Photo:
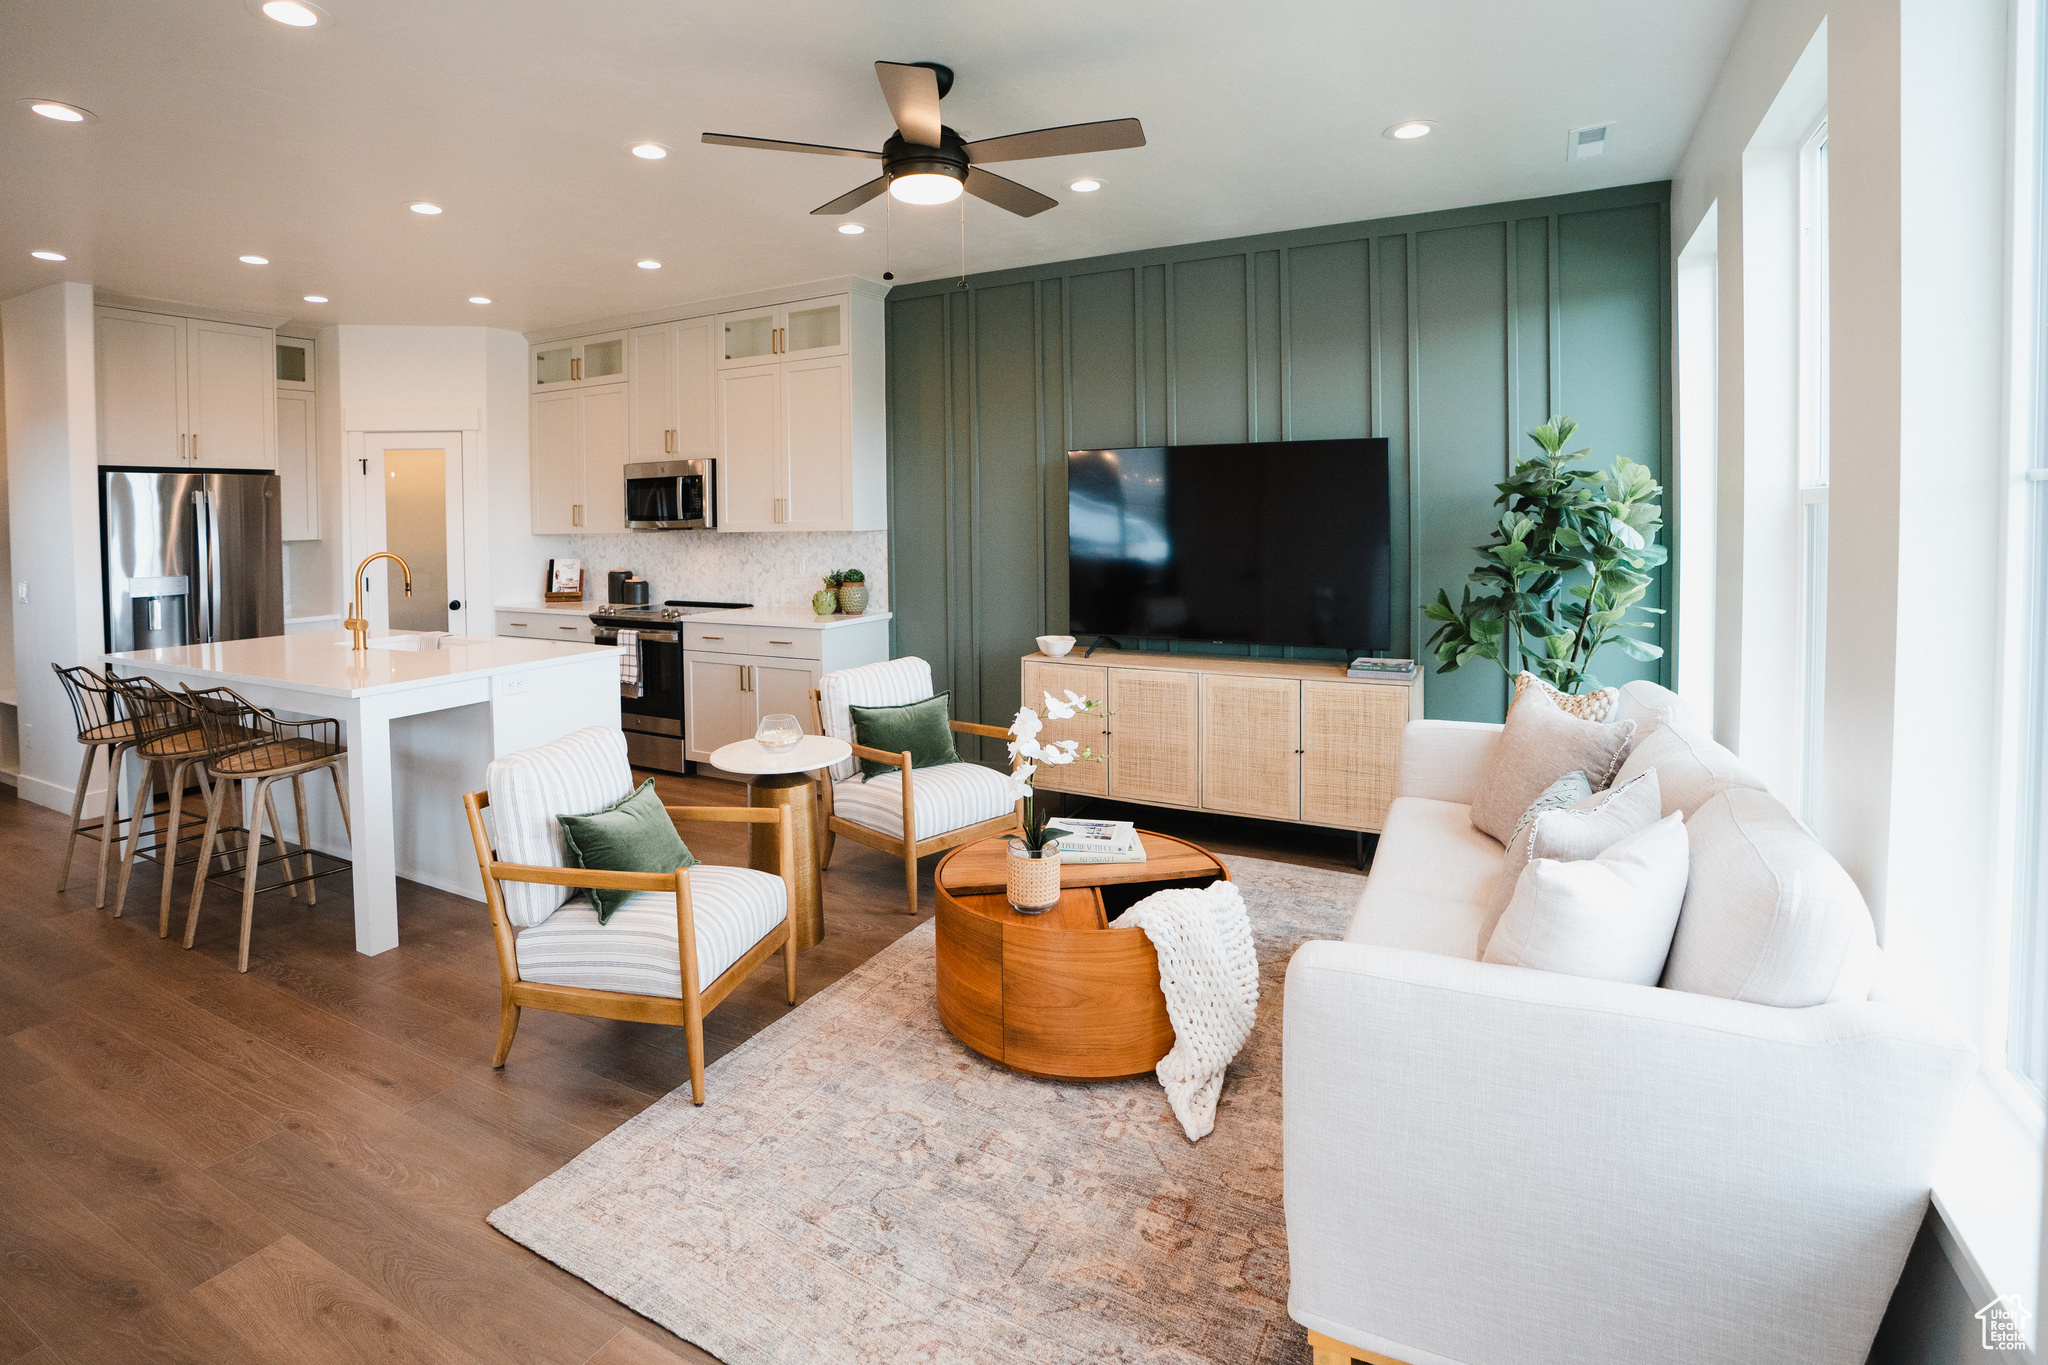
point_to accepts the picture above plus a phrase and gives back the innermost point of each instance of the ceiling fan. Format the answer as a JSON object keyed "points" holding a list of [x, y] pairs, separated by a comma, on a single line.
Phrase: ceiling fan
{"points": [[925, 162]]}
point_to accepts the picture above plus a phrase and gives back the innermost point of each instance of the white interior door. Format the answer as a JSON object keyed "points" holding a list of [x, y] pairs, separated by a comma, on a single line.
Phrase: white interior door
{"points": [[414, 501]]}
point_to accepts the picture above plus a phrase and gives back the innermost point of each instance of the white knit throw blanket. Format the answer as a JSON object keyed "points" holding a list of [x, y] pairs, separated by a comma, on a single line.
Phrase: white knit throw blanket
{"points": [[1209, 975]]}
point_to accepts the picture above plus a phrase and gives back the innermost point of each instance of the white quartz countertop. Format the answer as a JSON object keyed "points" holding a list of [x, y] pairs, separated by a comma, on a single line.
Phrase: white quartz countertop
{"points": [[322, 662], [583, 608], [785, 618]]}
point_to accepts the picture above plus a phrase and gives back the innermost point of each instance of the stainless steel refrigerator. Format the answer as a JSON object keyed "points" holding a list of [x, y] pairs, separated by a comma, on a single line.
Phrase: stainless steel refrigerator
{"points": [[190, 557]]}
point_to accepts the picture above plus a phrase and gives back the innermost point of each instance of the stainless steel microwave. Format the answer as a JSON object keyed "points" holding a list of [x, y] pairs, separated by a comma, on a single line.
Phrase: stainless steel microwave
{"points": [[672, 495]]}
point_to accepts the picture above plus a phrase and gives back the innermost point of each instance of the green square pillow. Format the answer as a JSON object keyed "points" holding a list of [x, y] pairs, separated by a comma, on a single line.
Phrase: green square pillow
{"points": [[921, 727], [633, 834]]}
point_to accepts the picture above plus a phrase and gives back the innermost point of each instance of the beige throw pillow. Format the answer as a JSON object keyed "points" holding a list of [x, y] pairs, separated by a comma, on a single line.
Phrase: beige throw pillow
{"points": [[1584, 830], [1651, 707], [1691, 768], [1598, 705], [1769, 916], [1538, 745], [1608, 917]]}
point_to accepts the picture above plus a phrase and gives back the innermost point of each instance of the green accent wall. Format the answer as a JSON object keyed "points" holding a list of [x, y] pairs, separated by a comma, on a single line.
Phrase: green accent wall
{"points": [[1451, 334]]}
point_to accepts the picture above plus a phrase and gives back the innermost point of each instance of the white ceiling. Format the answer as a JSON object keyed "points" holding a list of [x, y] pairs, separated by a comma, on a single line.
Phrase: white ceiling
{"points": [[222, 133]]}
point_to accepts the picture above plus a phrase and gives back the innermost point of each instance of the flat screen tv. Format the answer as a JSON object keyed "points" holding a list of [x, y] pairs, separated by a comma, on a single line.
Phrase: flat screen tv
{"points": [[1272, 543]]}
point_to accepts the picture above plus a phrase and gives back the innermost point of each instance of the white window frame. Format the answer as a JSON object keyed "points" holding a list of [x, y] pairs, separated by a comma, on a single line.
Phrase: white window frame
{"points": [[1813, 461]]}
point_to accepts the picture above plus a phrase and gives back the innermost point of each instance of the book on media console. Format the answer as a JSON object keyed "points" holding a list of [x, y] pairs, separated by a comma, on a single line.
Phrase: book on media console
{"points": [[1391, 670], [1094, 836]]}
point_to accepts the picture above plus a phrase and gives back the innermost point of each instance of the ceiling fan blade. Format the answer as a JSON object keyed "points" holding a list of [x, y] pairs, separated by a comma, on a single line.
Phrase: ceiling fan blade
{"points": [[1021, 200], [770, 145], [853, 199], [1108, 136], [913, 95]]}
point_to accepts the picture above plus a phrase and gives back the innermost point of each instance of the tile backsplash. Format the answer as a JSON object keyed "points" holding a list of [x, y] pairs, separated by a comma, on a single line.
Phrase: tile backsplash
{"points": [[766, 568]]}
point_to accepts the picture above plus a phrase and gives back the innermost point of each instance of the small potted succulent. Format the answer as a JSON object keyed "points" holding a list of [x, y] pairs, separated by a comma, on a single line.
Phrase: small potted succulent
{"points": [[825, 601], [853, 591]]}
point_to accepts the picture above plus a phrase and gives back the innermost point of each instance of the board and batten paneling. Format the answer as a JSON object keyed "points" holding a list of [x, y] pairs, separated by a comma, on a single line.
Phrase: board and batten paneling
{"points": [[1451, 334]]}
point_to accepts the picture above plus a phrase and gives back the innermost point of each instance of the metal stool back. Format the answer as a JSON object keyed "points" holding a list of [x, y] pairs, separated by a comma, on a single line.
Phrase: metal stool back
{"points": [[250, 743], [101, 729]]}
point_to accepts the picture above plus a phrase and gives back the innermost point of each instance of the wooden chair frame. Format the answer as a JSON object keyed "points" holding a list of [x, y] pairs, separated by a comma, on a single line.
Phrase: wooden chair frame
{"points": [[909, 848], [697, 999], [1330, 1351]]}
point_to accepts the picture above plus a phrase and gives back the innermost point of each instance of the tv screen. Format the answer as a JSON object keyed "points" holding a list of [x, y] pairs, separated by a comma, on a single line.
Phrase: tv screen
{"points": [[1272, 543]]}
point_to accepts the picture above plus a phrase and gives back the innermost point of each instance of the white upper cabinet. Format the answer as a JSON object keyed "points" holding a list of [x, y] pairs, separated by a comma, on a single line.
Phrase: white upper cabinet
{"points": [[671, 376], [787, 331], [185, 392], [789, 398], [294, 363], [297, 470], [140, 364], [579, 457], [233, 395], [599, 359]]}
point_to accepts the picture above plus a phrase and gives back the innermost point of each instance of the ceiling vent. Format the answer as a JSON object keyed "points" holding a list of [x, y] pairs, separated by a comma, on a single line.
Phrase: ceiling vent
{"points": [[1583, 144]]}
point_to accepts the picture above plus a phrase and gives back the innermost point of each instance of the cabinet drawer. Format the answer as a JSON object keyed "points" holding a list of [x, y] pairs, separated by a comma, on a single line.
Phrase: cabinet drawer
{"points": [[711, 638], [545, 625], [776, 642], [519, 622]]}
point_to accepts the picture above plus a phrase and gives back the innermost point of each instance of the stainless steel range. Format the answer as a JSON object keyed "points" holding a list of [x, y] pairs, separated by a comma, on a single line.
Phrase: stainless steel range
{"points": [[653, 720]]}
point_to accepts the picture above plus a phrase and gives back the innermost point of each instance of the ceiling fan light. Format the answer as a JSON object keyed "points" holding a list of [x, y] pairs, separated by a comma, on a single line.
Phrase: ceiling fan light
{"points": [[925, 187]]}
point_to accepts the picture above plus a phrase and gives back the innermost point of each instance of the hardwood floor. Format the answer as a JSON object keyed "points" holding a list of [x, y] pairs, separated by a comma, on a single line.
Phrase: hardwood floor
{"points": [[295, 1165]]}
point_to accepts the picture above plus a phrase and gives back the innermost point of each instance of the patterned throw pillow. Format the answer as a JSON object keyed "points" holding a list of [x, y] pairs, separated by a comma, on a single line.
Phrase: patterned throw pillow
{"points": [[1598, 705]]}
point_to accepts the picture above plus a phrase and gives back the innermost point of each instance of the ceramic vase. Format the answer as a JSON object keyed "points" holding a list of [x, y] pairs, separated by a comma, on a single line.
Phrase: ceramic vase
{"points": [[1034, 878], [825, 602], [853, 598]]}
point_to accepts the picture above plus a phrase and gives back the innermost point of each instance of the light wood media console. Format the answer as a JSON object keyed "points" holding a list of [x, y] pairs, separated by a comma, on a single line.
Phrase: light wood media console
{"points": [[1266, 738]]}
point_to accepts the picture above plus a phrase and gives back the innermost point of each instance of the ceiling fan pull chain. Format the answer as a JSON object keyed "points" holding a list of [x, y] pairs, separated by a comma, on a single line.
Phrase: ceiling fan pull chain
{"points": [[963, 241], [888, 241]]}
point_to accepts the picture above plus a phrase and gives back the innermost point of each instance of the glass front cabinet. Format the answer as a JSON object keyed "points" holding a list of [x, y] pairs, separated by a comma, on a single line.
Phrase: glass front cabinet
{"points": [[789, 331], [588, 360]]}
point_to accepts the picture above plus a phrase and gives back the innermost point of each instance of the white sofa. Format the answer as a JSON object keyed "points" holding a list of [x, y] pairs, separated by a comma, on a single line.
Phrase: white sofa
{"points": [[1490, 1165]]}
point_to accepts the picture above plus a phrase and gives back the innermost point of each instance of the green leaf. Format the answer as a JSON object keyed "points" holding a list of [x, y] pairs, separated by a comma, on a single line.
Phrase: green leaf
{"points": [[1638, 649]]}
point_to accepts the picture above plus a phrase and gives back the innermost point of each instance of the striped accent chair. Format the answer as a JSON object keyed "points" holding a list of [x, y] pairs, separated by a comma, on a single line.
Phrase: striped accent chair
{"points": [[552, 952], [904, 813]]}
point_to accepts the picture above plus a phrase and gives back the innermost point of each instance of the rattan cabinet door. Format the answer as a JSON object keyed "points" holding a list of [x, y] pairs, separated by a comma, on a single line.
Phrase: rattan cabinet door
{"points": [[1351, 742], [1251, 746], [1084, 778], [1152, 731]]}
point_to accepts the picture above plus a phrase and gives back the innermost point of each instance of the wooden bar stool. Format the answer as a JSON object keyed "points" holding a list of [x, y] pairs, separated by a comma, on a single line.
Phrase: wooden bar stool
{"points": [[173, 747], [101, 728], [249, 743]]}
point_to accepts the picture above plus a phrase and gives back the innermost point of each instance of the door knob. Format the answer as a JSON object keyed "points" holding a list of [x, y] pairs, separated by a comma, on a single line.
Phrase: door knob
{"points": [[455, 606]]}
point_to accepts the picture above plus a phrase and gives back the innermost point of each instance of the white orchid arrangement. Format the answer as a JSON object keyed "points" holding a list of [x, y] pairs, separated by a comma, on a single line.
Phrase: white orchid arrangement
{"points": [[1027, 753]]}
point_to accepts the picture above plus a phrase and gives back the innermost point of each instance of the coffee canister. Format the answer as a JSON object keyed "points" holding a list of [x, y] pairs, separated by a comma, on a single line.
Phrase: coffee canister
{"points": [[635, 590], [615, 585]]}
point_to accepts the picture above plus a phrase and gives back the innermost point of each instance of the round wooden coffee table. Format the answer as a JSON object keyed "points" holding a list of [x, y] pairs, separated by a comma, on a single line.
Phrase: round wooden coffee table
{"points": [[1067, 994]]}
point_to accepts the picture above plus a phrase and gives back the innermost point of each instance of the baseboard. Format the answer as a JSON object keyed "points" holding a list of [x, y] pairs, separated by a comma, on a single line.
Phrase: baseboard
{"points": [[471, 893], [31, 788]]}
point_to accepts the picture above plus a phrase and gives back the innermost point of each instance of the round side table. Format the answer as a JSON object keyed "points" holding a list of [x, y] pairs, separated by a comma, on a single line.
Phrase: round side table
{"points": [[782, 777]]}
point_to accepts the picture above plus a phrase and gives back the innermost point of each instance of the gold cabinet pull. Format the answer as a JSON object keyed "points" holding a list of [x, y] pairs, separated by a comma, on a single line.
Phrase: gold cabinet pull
{"points": [[668, 442], [195, 447], [576, 514], [576, 367]]}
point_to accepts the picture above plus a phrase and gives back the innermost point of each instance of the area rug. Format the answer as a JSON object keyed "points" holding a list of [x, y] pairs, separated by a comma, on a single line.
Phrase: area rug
{"points": [[859, 1187]]}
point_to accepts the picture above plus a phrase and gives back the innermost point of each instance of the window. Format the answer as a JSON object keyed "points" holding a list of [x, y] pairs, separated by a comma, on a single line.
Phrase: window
{"points": [[1813, 461]]}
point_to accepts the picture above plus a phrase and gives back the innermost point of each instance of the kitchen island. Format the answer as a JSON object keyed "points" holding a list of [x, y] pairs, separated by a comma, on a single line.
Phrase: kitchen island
{"points": [[422, 715]]}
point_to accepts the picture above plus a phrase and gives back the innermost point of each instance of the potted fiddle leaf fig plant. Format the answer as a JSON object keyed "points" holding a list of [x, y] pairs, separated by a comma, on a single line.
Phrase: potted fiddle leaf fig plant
{"points": [[1034, 863], [825, 601], [853, 591], [1570, 560]]}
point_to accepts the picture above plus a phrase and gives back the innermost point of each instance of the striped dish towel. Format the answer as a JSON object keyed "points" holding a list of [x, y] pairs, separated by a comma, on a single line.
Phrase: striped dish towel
{"points": [[629, 664]]}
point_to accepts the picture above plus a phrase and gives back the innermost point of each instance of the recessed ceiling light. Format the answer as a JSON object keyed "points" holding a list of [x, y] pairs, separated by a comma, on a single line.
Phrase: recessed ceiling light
{"points": [[649, 151], [478, 298], [58, 110], [852, 229], [48, 256], [316, 298], [1087, 185], [253, 260], [925, 187], [293, 13], [648, 265], [1409, 131], [422, 206]]}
